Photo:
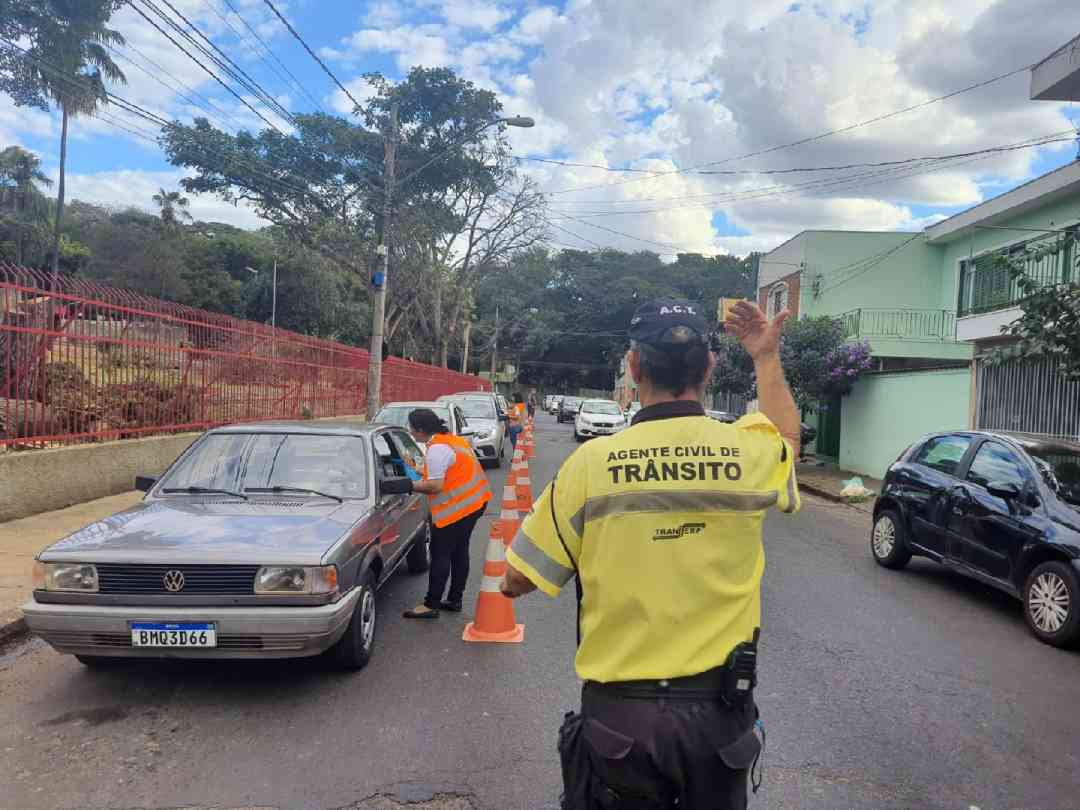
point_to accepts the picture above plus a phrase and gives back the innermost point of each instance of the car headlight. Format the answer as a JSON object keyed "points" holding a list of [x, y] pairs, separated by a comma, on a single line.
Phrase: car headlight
{"points": [[296, 579], [65, 577], [483, 434]]}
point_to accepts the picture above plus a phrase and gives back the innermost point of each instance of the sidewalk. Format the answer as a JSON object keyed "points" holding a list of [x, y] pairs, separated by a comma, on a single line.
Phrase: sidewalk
{"points": [[827, 481], [21, 539]]}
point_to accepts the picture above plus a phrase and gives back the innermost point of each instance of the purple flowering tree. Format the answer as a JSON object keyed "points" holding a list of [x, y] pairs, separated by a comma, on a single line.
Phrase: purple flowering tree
{"points": [[817, 360]]}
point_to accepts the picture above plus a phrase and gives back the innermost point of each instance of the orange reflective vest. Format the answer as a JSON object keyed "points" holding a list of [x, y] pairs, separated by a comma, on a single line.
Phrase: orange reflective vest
{"points": [[517, 413], [465, 487]]}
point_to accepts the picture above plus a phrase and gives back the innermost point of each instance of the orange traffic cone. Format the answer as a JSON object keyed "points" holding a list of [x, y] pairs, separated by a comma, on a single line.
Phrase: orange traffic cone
{"points": [[494, 612], [509, 520], [523, 488]]}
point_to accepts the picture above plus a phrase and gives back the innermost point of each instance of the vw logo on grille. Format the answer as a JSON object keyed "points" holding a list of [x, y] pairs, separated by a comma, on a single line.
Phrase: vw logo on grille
{"points": [[173, 580]]}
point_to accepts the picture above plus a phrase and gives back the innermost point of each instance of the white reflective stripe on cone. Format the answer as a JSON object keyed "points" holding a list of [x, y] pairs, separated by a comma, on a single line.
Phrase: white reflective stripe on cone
{"points": [[491, 584], [496, 550], [509, 492]]}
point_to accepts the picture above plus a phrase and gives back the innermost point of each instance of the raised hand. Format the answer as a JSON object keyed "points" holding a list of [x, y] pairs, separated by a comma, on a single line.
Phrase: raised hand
{"points": [[758, 335]]}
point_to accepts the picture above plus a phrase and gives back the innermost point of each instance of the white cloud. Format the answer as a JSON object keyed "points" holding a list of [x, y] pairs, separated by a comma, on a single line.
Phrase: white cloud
{"points": [[474, 14], [125, 188]]}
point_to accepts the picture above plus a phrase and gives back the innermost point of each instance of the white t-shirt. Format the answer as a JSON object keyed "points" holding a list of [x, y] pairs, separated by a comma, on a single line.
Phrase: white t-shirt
{"points": [[440, 458]]}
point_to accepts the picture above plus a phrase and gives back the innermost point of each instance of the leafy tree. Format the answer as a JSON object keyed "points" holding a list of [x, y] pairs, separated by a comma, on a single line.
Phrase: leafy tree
{"points": [[24, 209], [1049, 323], [66, 63], [174, 209]]}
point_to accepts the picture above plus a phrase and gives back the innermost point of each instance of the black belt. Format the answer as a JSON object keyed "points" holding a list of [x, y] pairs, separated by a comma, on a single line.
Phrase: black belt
{"points": [[705, 685]]}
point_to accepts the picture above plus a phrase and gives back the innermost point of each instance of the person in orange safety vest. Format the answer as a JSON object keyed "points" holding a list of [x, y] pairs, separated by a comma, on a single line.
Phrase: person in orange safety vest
{"points": [[458, 492]]}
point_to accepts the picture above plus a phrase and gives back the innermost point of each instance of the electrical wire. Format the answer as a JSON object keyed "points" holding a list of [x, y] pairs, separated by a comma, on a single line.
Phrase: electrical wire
{"points": [[209, 72], [356, 104], [221, 59], [172, 88], [813, 138], [272, 54], [888, 168]]}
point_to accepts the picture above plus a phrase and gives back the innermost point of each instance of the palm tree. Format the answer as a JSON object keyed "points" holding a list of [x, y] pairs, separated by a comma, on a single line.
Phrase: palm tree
{"points": [[174, 209], [69, 62], [20, 172]]}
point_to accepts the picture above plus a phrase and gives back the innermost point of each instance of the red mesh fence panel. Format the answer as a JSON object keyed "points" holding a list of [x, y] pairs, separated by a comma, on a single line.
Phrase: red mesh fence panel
{"points": [[81, 361]]}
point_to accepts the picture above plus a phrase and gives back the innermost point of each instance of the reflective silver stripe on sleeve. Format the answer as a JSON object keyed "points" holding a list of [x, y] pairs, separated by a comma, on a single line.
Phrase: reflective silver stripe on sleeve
{"points": [[677, 501], [792, 491], [554, 572], [577, 521]]}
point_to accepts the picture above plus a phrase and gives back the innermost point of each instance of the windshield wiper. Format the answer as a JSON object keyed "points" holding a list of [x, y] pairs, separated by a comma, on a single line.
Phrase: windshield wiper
{"points": [[337, 498], [204, 491]]}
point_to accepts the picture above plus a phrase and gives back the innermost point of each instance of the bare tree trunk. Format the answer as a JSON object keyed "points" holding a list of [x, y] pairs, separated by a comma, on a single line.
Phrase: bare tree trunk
{"points": [[60, 193], [465, 353], [438, 349]]}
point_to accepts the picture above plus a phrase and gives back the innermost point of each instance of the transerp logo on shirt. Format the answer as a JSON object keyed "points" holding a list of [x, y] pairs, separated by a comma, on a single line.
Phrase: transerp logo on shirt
{"points": [[678, 532]]}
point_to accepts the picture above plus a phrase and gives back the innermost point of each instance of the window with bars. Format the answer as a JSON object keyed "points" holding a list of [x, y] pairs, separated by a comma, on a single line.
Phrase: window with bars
{"points": [[987, 282]]}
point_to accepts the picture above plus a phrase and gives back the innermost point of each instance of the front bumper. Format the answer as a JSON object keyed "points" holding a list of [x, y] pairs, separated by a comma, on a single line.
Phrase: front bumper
{"points": [[242, 632], [486, 448], [590, 430]]}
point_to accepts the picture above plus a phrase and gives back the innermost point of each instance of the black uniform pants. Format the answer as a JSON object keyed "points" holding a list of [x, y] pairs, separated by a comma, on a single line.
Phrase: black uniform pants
{"points": [[633, 753], [450, 560]]}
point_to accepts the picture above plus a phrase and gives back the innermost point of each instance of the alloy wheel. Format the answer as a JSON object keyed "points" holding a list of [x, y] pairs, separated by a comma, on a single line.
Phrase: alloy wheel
{"points": [[1049, 602], [367, 618], [884, 539]]}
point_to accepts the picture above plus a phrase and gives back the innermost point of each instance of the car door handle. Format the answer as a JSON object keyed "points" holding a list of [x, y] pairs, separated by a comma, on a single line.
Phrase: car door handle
{"points": [[956, 510]]}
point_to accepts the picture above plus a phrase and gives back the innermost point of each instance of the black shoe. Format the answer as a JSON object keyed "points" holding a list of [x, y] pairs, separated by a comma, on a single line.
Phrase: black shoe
{"points": [[421, 612], [453, 607]]}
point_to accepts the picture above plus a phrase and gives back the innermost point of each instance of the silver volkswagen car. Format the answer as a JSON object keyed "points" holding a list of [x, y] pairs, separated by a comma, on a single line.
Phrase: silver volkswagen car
{"points": [[260, 541]]}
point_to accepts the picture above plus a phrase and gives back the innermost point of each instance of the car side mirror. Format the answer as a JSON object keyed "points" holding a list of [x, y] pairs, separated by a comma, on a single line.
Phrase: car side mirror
{"points": [[1006, 490], [504, 417], [145, 483], [467, 431], [396, 486]]}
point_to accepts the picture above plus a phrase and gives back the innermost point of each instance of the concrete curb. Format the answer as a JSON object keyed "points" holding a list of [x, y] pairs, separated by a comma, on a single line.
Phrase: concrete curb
{"points": [[821, 492], [13, 630]]}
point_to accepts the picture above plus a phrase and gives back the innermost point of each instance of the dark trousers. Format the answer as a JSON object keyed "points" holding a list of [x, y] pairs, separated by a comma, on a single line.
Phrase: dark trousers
{"points": [[514, 432], [657, 753], [450, 560]]}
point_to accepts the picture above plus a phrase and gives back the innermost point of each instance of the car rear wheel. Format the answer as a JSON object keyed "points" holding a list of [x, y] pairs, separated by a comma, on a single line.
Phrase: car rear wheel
{"points": [[419, 558], [887, 541], [1052, 603], [354, 649]]}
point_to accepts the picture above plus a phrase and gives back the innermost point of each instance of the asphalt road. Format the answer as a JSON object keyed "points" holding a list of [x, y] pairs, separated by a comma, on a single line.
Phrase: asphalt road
{"points": [[879, 689]]}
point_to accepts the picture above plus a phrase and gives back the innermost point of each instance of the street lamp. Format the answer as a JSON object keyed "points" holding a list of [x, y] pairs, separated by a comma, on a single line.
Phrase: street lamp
{"points": [[273, 308], [380, 279]]}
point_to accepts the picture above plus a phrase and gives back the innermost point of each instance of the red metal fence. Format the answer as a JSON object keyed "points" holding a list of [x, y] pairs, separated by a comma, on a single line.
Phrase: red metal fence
{"points": [[81, 361]]}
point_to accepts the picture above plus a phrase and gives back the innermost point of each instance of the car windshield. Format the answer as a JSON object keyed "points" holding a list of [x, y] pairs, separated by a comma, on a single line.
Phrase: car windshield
{"points": [[336, 465], [571, 403], [399, 414], [477, 408], [1060, 469], [609, 408]]}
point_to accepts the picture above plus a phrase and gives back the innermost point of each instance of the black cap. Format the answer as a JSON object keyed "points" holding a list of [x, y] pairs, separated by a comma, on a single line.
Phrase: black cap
{"points": [[653, 319]]}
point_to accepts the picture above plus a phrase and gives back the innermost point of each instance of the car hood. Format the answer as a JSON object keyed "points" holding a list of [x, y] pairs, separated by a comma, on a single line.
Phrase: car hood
{"points": [[484, 424], [194, 531]]}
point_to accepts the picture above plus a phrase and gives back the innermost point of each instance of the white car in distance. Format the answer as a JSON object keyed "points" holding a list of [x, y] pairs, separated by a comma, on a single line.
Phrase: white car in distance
{"points": [[598, 417]]}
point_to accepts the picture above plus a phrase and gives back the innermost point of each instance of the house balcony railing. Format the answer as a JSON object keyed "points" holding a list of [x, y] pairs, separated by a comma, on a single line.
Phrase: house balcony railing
{"points": [[987, 282], [935, 325]]}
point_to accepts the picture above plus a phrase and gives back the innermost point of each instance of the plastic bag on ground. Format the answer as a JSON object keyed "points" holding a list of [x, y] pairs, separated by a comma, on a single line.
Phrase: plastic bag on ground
{"points": [[854, 488]]}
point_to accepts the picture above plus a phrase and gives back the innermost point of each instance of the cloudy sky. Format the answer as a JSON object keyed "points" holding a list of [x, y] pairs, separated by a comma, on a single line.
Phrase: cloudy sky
{"points": [[694, 96]]}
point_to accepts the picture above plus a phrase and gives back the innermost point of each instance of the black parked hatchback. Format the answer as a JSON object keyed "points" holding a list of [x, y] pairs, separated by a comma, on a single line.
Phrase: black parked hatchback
{"points": [[1002, 508]]}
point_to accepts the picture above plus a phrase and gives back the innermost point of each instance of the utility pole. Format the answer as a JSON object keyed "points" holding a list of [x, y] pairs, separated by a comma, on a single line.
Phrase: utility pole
{"points": [[380, 279]]}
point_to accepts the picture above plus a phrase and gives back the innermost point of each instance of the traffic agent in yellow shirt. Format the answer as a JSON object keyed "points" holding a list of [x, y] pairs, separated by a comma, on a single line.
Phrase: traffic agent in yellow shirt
{"points": [[662, 525]]}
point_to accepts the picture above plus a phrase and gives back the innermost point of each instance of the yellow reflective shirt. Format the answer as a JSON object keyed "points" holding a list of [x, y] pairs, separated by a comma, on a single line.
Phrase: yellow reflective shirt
{"points": [[664, 522]]}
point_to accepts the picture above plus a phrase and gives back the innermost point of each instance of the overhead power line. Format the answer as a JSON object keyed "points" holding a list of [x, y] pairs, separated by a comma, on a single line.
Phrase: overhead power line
{"points": [[813, 138], [313, 55], [270, 51], [209, 72], [218, 57]]}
